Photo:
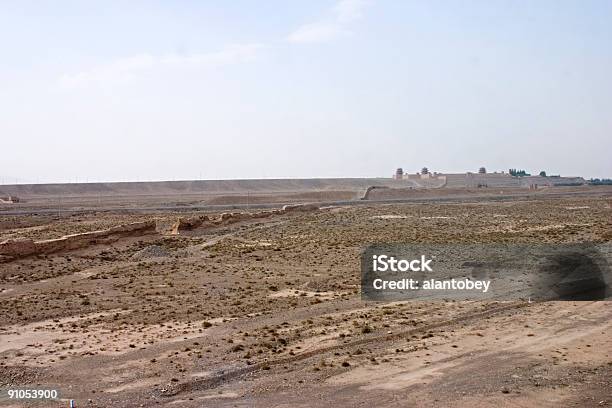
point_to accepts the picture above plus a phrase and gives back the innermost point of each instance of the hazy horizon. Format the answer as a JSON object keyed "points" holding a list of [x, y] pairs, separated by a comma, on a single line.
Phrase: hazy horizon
{"points": [[143, 91], [8, 182]]}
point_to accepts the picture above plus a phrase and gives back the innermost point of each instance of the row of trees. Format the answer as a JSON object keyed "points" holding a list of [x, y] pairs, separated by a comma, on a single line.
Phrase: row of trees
{"points": [[523, 173], [600, 182], [518, 173], [513, 172]]}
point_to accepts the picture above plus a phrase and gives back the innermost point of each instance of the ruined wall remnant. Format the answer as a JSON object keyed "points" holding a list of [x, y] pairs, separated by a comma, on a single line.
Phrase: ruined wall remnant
{"points": [[300, 207], [22, 247], [366, 193], [17, 246], [187, 224], [230, 218]]}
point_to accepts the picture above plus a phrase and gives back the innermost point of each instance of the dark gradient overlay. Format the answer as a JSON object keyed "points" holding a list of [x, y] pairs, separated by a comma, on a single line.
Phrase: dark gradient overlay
{"points": [[515, 271]]}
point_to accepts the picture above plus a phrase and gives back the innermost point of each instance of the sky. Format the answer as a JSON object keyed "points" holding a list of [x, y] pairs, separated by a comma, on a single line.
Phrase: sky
{"points": [[174, 90]]}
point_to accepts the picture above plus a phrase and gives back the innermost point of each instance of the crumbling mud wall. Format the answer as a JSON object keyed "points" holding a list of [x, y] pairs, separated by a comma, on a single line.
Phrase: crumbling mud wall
{"points": [[299, 208], [384, 193], [22, 247], [367, 193], [188, 224]]}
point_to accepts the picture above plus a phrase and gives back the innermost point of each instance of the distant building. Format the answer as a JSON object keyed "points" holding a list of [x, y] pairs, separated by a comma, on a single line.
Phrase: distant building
{"points": [[482, 178]]}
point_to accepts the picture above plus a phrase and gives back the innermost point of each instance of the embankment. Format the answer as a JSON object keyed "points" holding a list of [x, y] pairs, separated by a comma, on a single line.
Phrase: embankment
{"points": [[22, 247]]}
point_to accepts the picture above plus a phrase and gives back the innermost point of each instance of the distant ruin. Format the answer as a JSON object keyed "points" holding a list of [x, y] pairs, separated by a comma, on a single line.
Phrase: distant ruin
{"points": [[427, 179]]}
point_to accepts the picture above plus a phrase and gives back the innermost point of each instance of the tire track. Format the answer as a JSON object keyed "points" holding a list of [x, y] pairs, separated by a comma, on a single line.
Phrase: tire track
{"points": [[213, 382]]}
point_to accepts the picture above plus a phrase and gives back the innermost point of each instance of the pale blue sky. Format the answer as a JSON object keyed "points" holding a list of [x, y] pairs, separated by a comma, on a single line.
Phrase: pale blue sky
{"points": [[116, 90]]}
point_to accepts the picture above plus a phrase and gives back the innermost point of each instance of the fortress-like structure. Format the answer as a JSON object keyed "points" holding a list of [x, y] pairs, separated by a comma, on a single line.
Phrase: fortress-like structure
{"points": [[483, 179]]}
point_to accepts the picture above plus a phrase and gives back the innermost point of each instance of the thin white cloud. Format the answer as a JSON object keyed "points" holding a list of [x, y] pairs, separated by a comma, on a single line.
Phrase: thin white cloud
{"points": [[126, 69], [123, 70], [316, 32], [349, 10], [335, 25]]}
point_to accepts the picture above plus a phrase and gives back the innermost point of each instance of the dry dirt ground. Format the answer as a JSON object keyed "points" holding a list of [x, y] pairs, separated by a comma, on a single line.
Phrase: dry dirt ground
{"points": [[267, 313]]}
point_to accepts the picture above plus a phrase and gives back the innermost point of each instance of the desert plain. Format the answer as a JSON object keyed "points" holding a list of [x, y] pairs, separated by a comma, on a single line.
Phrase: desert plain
{"points": [[264, 309]]}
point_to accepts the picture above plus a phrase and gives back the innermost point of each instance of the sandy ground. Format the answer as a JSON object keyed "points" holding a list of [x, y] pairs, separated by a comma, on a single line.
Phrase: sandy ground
{"points": [[268, 313]]}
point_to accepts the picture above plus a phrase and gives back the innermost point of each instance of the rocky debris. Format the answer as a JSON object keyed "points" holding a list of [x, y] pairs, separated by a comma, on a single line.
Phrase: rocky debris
{"points": [[153, 251], [9, 376], [18, 248], [323, 285]]}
